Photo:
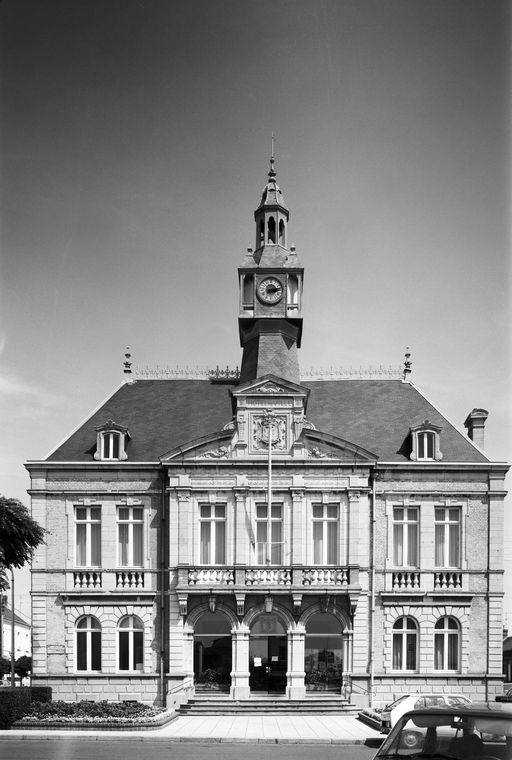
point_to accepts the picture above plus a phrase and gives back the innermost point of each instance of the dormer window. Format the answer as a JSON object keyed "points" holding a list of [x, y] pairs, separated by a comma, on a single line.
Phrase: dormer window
{"points": [[425, 443], [111, 440], [110, 445]]}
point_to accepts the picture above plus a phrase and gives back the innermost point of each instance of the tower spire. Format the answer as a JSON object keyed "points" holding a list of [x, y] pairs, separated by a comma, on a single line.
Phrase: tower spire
{"points": [[270, 317], [272, 171]]}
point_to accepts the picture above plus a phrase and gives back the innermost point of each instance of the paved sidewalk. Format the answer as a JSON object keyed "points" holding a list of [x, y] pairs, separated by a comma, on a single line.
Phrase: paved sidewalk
{"points": [[286, 729]]}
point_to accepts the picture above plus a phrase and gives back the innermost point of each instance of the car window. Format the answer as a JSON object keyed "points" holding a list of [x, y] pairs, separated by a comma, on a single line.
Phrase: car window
{"points": [[419, 703], [434, 701], [454, 700]]}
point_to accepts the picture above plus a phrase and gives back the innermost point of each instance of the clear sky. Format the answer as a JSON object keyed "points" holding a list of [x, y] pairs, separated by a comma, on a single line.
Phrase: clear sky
{"points": [[135, 137]]}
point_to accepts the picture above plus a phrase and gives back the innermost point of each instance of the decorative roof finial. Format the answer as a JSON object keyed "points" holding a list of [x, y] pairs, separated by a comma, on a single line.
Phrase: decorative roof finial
{"points": [[407, 363], [272, 172], [127, 362]]}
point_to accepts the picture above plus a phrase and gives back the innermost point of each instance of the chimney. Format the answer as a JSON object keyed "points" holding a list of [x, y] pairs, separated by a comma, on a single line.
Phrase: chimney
{"points": [[475, 423]]}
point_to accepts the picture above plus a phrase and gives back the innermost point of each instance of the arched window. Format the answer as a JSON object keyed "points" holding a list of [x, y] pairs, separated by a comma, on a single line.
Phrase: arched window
{"points": [[110, 445], [323, 654], [271, 228], [212, 651], [405, 644], [426, 445], [446, 644], [293, 291], [261, 234], [282, 236], [248, 292], [88, 643], [131, 643]]}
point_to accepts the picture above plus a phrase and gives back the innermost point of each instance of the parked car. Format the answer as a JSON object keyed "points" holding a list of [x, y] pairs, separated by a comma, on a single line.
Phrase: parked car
{"points": [[406, 702], [467, 731], [507, 697]]}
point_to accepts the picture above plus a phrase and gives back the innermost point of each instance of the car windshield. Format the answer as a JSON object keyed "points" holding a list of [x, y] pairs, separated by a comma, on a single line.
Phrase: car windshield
{"points": [[392, 705], [450, 735]]}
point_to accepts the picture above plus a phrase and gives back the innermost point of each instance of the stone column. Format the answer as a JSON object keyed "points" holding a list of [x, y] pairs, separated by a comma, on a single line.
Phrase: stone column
{"points": [[298, 532], [188, 658], [185, 531], [348, 647], [240, 531], [240, 663], [295, 687]]}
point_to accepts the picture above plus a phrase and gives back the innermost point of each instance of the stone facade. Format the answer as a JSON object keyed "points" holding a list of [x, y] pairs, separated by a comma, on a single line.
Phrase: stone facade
{"points": [[243, 535]]}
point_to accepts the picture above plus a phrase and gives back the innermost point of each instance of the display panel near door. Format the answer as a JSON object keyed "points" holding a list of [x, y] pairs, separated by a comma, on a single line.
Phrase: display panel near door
{"points": [[268, 650]]}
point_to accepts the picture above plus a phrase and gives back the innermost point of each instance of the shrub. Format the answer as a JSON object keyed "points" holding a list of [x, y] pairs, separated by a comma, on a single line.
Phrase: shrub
{"points": [[91, 712], [16, 701]]}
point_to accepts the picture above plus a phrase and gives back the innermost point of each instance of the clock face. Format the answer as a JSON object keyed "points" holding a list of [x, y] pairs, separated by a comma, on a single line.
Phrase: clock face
{"points": [[270, 290]]}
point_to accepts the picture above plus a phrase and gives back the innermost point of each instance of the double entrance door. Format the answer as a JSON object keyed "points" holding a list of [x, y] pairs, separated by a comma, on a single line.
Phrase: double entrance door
{"points": [[267, 663]]}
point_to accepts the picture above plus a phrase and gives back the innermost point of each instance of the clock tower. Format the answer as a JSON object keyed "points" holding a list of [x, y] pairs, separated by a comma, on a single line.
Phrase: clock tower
{"points": [[270, 312]]}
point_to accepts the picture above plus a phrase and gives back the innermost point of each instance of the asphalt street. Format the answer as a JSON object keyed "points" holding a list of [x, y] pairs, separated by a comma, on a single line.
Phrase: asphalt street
{"points": [[80, 749]]}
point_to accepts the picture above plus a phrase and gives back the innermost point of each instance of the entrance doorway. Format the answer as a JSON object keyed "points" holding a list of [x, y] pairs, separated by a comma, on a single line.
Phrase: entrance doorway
{"points": [[268, 650]]}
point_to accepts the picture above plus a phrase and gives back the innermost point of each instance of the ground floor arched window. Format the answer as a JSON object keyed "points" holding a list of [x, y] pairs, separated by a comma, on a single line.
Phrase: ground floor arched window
{"points": [[212, 652], [88, 644], [131, 643], [405, 644], [323, 661], [446, 644]]}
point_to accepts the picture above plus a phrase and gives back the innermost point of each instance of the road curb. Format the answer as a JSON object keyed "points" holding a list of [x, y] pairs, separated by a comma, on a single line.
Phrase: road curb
{"points": [[82, 736]]}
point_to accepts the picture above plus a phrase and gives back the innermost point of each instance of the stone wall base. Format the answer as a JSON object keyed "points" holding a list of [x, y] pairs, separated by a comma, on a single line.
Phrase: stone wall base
{"points": [[96, 689]]}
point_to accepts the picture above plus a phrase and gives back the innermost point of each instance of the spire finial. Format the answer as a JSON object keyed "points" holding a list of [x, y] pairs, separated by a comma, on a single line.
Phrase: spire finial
{"points": [[407, 363], [127, 362], [272, 172]]}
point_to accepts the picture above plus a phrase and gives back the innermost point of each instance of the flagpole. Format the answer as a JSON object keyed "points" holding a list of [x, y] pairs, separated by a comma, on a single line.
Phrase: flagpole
{"points": [[269, 494]]}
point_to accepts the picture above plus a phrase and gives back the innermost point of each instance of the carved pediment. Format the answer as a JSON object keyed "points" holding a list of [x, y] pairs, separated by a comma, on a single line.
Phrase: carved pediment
{"points": [[318, 445], [217, 446], [270, 385]]}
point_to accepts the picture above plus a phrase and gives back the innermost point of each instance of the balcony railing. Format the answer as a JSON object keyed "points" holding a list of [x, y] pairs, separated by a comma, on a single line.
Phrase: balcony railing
{"points": [[426, 581], [87, 579], [205, 576], [130, 579], [275, 576], [252, 577], [448, 579], [109, 580], [406, 580], [321, 576]]}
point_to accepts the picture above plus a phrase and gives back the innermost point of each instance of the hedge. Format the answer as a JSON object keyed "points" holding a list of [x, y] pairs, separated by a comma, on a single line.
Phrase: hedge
{"points": [[15, 701]]}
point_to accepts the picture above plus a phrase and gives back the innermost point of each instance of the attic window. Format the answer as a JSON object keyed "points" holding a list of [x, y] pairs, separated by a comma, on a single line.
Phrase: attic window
{"points": [[425, 443], [111, 440], [110, 445]]}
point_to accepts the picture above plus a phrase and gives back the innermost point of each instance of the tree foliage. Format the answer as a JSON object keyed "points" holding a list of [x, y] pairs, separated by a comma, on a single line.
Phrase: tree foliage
{"points": [[19, 536], [5, 666], [23, 666]]}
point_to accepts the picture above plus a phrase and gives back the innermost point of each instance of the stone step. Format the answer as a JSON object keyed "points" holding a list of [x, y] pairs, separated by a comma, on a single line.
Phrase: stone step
{"points": [[266, 706]]}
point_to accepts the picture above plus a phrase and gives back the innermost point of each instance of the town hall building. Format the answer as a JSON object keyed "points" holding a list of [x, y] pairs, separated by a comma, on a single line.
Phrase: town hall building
{"points": [[263, 532]]}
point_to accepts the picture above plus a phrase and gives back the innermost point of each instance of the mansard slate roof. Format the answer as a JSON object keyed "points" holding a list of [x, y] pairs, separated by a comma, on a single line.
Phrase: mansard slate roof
{"points": [[163, 414]]}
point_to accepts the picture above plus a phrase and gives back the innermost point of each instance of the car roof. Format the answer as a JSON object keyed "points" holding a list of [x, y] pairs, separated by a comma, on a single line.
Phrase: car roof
{"points": [[472, 708]]}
